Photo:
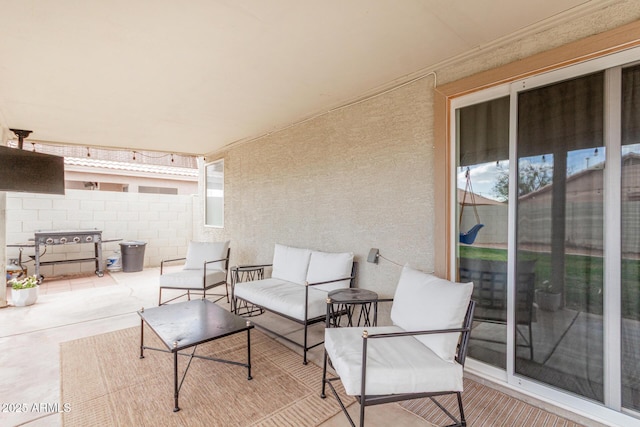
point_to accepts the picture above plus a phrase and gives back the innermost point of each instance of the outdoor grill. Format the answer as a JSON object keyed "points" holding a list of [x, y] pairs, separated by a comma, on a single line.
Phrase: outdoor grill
{"points": [[68, 237], [63, 237]]}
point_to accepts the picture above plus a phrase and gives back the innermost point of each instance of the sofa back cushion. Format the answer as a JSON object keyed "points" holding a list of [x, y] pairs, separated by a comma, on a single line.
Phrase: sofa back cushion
{"points": [[290, 264], [199, 252], [425, 302], [325, 266]]}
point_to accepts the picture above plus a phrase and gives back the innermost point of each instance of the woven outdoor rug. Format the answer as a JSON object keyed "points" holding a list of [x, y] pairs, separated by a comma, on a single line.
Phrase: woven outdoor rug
{"points": [[486, 407], [105, 383]]}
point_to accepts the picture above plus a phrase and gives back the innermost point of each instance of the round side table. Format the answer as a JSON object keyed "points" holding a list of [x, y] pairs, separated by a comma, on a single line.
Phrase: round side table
{"points": [[344, 301]]}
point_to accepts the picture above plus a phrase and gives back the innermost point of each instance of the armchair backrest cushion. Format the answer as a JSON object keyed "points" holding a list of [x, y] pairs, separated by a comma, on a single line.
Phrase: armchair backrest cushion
{"points": [[199, 252], [325, 266], [290, 264], [425, 302]]}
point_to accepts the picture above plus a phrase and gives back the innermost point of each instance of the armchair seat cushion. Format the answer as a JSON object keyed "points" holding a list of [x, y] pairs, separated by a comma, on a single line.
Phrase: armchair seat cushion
{"points": [[192, 279], [283, 297], [394, 365]]}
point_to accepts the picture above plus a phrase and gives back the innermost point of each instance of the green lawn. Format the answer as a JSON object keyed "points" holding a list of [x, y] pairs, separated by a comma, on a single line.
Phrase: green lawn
{"points": [[584, 278]]}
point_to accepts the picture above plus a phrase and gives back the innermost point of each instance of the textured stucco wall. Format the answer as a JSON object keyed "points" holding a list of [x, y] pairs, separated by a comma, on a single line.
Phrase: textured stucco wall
{"points": [[347, 181], [360, 177]]}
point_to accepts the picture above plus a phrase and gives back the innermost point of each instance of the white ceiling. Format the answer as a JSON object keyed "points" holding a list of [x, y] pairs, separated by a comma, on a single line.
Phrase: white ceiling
{"points": [[194, 76]]}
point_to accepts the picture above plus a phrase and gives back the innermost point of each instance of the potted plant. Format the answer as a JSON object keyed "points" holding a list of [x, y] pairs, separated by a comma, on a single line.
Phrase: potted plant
{"points": [[548, 299], [24, 291]]}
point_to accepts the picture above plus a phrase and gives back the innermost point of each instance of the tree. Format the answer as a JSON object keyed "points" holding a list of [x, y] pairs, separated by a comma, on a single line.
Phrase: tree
{"points": [[532, 177]]}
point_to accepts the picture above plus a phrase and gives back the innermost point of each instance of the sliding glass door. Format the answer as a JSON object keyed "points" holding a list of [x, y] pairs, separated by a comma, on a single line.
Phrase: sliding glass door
{"points": [[560, 229], [630, 247], [547, 228], [482, 193]]}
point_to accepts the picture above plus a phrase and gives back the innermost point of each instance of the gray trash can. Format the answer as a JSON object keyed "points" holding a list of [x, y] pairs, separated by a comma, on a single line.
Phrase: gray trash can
{"points": [[132, 256]]}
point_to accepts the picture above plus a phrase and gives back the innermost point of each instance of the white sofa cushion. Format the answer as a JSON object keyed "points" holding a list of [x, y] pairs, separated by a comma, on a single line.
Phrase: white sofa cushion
{"points": [[282, 297], [199, 252], [394, 365], [325, 266], [425, 302], [191, 279], [290, 264]]}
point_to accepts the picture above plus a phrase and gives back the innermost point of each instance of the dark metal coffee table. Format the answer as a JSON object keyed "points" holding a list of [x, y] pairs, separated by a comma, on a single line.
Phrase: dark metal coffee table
{"points": [[188, 324]]}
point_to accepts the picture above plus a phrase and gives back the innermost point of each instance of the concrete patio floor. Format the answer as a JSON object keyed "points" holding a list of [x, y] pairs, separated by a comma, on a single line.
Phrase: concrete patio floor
{"points": [[69, 309]]}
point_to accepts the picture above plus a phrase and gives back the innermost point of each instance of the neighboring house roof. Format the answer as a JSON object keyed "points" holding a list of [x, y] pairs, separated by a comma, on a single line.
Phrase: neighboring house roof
{"points": [[597, 168], [480, 200], [130, 167], [631, 158]]}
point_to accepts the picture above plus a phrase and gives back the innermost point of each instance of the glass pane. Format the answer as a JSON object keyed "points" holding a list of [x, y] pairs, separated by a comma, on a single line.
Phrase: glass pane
{"points": [[214, 198], [560, 235], [630, 273], [483, 187]]}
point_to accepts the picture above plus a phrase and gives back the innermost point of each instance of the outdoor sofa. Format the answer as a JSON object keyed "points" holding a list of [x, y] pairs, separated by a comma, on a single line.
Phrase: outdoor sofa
{"points": [[297, 289]]}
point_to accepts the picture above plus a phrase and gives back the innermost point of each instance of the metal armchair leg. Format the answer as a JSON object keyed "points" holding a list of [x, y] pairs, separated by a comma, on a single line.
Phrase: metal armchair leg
{"points": [[463, 422], [324, 376]]}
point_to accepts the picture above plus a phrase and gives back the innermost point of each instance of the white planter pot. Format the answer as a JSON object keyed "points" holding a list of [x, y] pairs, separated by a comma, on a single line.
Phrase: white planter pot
{"points": [[24, 297], [548, 301]]}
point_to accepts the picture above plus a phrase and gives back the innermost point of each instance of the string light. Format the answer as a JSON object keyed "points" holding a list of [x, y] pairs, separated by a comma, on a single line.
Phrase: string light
{"points": [[176, 159]]}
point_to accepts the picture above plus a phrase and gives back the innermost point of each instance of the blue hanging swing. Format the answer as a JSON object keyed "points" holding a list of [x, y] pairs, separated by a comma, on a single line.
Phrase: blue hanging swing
{"points": [[470, 236]]}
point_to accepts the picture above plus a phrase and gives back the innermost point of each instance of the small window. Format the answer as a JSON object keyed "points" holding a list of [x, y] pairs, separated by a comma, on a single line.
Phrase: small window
{"points": [[214, 194], [157, 190]]}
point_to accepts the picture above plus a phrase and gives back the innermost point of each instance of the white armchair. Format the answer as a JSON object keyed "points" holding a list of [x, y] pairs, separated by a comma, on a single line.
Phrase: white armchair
{"points": [[421, 355], [205, 267]]}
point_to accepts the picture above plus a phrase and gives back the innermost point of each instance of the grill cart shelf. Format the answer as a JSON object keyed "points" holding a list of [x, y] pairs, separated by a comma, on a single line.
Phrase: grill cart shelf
{"points": [[65, 237]]}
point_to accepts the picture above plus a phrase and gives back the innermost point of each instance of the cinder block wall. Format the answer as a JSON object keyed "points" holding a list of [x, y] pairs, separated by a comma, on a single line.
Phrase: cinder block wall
{"points": [[163, 222]]}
